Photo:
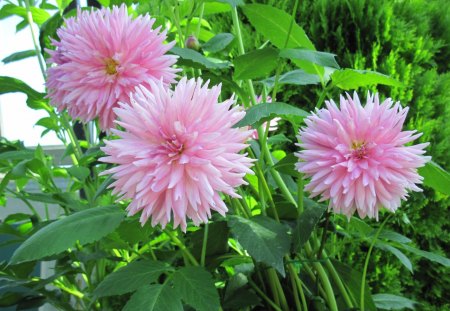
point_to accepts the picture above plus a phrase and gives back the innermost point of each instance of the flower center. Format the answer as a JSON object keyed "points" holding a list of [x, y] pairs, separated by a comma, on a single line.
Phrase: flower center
{"points": [[111, 65], [173, 147], [359, 150]]}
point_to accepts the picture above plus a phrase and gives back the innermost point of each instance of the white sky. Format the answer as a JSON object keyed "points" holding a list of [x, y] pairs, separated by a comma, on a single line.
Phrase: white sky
{"points": [[16, 119]]}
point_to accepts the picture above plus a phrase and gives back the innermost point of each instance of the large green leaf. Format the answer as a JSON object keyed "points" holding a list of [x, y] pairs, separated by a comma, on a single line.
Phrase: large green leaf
{"points": [[319, 58], [262, 112], [39, 15], [274, 24], [306, 222], [198, 58], [218, 42], [265, 239], [196, 287], [397, 253], [347, 79], [428, 255], [18, 56], [295, 77], [86, 226], [436, 177], [256, 64], [392, 302], [13, 85], [131, 277], [154, 298]]}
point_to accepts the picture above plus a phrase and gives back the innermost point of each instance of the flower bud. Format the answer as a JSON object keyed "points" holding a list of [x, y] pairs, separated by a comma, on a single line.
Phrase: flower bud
{"points": [[192, 43]]}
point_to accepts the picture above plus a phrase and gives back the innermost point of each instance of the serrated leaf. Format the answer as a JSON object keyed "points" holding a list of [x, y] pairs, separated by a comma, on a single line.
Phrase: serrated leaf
{"points": [[196, 287], [347, 79], [274, 24], [295, 77], [265, 239], [319, 58], [435, 177], [198, 58], [428, 255], [306, 222], [85, 226], [393, 302], [262, 112], [154, 298], [218, 42], [131, 277], [19, 56], [397, 253], [256, 64]]}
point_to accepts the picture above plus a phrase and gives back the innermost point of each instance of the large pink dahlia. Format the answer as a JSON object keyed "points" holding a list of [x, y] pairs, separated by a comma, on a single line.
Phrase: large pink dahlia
{"points": [[357, 158], [101, 57], [177, 152]]}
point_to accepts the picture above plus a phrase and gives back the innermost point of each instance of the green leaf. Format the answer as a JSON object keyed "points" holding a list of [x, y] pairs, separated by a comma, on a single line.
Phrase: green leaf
{"points": [[215, 7], [154, 298], [62, 4], [17, 155], [196, 287], [19, 56], [218, 42], [131, 277], [278, 139], [265, 239], [295, 77], [393, 236], [435, 177], [274, 24], [428, 255], [233, 3], [392, 302], [347, 79], [12, 85], [306, 222], [287, 165], [265, 111], [47, 31], [256, 64], [48, 122], [86, 226], [319, 58], [397, 253], [39, 15], [198, 58], [79, 172]]}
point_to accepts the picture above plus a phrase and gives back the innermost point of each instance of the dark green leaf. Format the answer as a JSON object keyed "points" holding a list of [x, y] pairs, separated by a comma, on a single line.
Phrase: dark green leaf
{"points": [[393, 236], [198, 58], [218, 42], [274, 24], [217, 242], [86, 226], [397, 253], [347, 79], [319, 58], [154, 298], [428, 255], [306, 222], [18, 56], [287, 165], [48, 31], [435, 177], [265, 239], [392, 302], [256, 64], [131, 277], [196, 287], [278, 139], [295, 77], [262, 112]]}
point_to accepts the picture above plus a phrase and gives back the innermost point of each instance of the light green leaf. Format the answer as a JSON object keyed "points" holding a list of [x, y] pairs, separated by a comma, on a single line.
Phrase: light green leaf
{"points": [[295, 77], [397, 253], [39, 15], [393, 302], [196, 57], [435, 177], [218, 42], [131, 277], [233, 3], [256, 64], [62, 4], [428, 255], [319, 58], [79, 172], [86, 226], [265, 239], [215, 7], [306, 222], [19, 56], [347, 79], [274, 24], [154, 298], [12, 85], [196, 287], [265, 111]]}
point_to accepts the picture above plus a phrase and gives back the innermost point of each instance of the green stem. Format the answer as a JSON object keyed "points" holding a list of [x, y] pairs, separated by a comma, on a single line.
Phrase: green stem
{"points": [[199, 25], [36, 46], [73, 138], [294, 284], [339, 283], [183, 247], [204, 245], [263, 296], [366, 263]]}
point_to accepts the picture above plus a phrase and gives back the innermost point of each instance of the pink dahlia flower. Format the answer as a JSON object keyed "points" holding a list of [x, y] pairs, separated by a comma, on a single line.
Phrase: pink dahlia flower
{"points": [[177, 152], [101, 57], [357, 158]]}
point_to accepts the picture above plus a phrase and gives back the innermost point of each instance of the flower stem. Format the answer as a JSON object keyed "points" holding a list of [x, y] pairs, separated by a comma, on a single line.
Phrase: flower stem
{"points": [[36, 46], [366, 263], [263, 296], [183, 247], [204, 245]]}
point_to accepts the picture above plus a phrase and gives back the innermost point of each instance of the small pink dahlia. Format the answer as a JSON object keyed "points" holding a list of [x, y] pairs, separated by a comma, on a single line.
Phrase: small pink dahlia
{"points": [[101, 57], [357, 158], [177, 152]]}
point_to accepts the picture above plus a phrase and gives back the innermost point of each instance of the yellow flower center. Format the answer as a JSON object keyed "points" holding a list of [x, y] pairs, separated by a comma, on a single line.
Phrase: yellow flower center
{"points": [[359, 150], [111, 65]]}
